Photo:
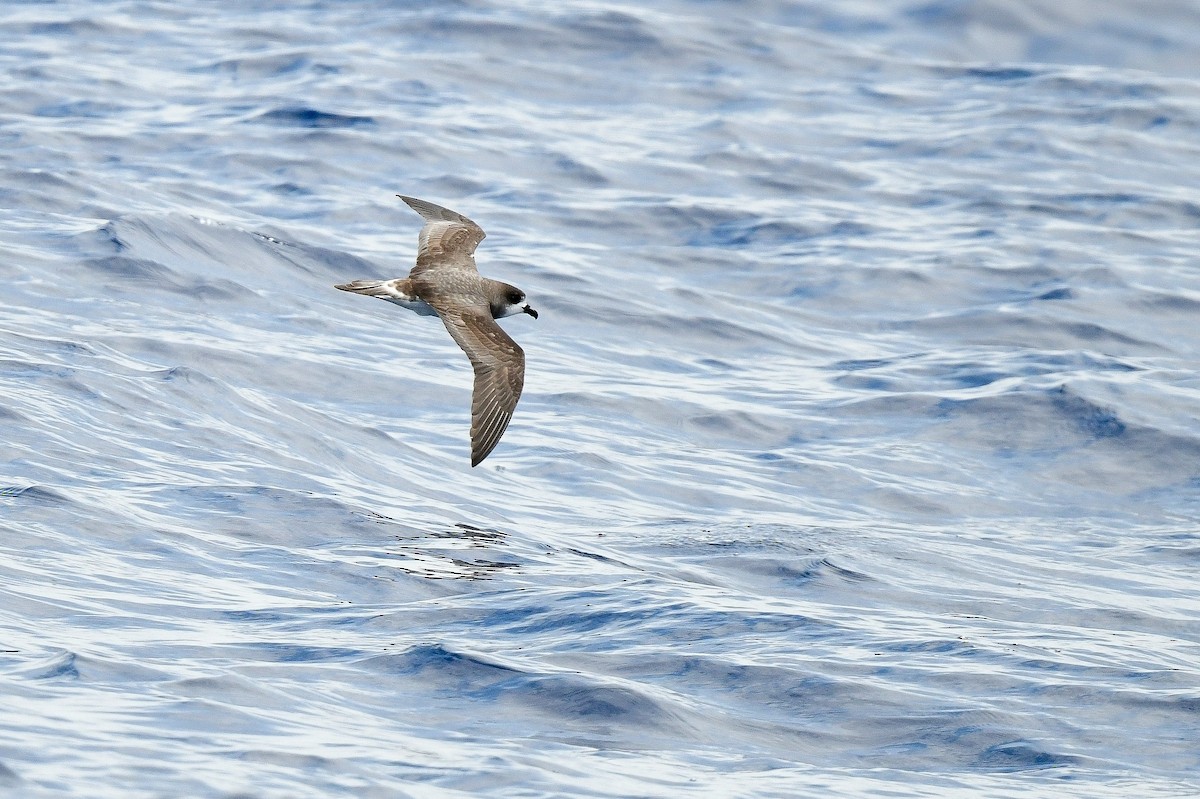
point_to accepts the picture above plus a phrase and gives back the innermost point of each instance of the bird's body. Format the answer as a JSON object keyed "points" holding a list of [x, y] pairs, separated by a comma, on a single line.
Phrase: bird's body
{"points": [[446, 283]]}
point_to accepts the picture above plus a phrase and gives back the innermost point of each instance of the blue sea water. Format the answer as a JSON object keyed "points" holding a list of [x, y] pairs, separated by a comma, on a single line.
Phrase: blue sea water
{"points": [[859, 453]]}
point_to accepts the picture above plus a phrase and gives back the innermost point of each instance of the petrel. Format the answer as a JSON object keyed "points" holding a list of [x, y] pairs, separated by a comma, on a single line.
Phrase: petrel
{"points": [[446, 283]]}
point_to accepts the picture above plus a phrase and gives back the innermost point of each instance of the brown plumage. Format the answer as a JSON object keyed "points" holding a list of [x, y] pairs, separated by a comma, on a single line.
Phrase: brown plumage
{"points": [[446, 282]]}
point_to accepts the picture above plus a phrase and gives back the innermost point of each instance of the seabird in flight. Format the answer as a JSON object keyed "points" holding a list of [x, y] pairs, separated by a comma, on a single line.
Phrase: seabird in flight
{"points": [[446, 283]]}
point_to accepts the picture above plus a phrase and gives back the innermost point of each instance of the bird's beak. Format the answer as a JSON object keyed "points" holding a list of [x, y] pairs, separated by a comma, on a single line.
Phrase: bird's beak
{"points": [[529, 311]]}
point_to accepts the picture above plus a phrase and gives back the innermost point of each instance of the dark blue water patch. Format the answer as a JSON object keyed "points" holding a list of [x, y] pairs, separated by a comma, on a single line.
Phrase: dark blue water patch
{"points": [[822, 568], [938, 647], [580, 171], [146, 272], [910, 369], [183, 374], [35, 494], [1044, 362], [39, 179], [442, 30], [60, 666], [1187, 707], [1101, 198], [1096, 86], [716, 365], [970, 377], [938, 12], [291, 190], [574, 697], [715, 624], [303, 117], [729, 334], [271, 65], [988, 74], [853, 26], [258, 617], [1191, 209], [1001, 74], [857, 382], [450, 185], [544, 619], [1174, 303], [295, 653], [132, 268], [793, 701], [613, 35], [787, 574], [1093, 207], [1092, 419], [83, 109], [242, 500], [81, 26], [1049, 666], [108, 234], [321, 261], [64, 376], [747, 429], [446, 664], [970, 739], [1021, 756], [745, 232], [863, 363], [615, 31]]}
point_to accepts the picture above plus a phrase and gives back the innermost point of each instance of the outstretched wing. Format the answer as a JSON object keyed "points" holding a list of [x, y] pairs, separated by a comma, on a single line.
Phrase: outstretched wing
{"points": [[499, 364], [448, 239]]}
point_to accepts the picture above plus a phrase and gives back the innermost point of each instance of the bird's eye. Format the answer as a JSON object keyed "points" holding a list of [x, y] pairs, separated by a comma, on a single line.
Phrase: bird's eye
{"points": [[514, 298]]}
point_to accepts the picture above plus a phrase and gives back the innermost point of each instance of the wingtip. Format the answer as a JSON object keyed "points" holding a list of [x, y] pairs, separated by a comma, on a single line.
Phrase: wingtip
{"points": [[423, 207], [479, 454], [432, 212]]}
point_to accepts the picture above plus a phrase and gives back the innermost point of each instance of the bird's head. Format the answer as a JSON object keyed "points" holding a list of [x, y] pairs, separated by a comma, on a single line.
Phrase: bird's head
{"points": [[511, 300]]}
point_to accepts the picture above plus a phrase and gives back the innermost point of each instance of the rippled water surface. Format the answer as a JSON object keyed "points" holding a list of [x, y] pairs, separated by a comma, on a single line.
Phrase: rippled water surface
{"points": [[859, 453]]}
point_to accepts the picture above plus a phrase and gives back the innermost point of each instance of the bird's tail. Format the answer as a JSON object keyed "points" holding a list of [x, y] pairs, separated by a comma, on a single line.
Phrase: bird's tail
{"points": [[371, 288]]}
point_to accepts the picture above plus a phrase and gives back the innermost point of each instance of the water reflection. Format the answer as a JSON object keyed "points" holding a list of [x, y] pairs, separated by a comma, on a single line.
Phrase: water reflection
{"points": [[446, 554]]}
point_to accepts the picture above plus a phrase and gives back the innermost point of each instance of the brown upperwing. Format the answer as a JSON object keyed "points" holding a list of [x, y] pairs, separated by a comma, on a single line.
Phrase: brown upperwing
{"points": [[499, 364], [447, 239]]}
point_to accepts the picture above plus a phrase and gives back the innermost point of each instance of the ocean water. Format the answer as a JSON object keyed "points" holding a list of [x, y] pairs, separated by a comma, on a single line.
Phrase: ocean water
{"points": [[859, 454]]}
